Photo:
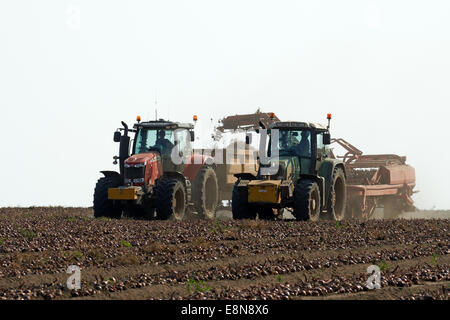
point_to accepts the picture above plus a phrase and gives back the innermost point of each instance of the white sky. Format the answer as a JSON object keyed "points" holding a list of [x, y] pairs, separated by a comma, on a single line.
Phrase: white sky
{"points": [[381, 67]]}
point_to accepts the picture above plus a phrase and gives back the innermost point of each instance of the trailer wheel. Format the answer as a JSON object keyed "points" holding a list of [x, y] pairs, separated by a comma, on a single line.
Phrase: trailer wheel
{"points": [[240, 207], [337, 200], [103, 207], [170, 199], [205, 193], [307, 201]]}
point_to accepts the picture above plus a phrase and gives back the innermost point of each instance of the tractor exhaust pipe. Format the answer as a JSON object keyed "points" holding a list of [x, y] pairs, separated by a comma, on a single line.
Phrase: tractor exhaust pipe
{"points": [[124, 148]]}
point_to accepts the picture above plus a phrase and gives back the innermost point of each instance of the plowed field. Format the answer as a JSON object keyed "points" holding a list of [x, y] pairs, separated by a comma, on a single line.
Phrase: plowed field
{"points": [[219, 259]]}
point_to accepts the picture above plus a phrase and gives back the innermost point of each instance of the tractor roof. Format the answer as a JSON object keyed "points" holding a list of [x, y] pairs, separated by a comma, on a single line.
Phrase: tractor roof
{"points": [[163, 124], [297, 125]]}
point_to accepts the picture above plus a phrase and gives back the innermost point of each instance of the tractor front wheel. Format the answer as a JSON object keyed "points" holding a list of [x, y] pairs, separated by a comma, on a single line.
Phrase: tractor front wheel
{"points": [[239, 205], [307, 201], [103, 207]]}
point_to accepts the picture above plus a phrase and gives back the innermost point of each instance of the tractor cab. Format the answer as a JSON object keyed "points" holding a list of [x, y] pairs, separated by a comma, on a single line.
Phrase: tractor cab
{"points": [[162, 136], [299, 147], [152, 149]]}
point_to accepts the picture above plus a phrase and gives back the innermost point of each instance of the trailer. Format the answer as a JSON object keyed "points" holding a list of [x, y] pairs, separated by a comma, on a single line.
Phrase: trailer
{"points": [[383, 180], [239, 155]]}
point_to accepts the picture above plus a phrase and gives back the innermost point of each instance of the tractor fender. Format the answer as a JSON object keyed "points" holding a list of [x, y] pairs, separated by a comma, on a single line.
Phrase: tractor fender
{"points": [[196, 162], [245, 176], [320, 182], [326, 171], [112, 174]]}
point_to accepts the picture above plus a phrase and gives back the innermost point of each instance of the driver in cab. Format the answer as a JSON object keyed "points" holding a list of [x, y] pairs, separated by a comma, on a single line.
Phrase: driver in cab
{"points": [[164, 143], [304, 147], [301, 148]]}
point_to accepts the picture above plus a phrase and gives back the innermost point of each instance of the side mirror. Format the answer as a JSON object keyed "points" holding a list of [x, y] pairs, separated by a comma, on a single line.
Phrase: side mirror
{"points": [[326, 139], [117, 136], [192, 136], [248, 138]]}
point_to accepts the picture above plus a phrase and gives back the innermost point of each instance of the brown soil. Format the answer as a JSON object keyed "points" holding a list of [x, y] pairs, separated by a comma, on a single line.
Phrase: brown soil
{"points": [[219, 259]]}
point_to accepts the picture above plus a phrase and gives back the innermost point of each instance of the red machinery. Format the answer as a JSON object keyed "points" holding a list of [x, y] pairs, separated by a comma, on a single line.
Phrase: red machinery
{"points": [[376, 180]]}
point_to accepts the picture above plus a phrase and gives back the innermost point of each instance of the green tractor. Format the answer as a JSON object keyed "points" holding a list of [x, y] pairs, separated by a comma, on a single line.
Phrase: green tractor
{"points": [[296, 172]]}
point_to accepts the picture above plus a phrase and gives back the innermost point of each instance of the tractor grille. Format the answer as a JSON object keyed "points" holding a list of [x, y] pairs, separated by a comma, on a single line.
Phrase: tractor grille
{"points": [[132, 173]]}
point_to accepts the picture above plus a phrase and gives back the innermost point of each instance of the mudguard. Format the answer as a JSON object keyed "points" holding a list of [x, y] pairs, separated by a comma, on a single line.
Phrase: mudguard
{"points": [[245, 176], [326, 171], [111, 174], [197, 161]]}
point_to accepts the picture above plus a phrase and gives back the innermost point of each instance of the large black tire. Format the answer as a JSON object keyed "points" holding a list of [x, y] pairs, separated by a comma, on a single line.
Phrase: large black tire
{"points": [[205, 193], [240, 207], [102, 206], [170, 199], [307, 201], [337, 199]]}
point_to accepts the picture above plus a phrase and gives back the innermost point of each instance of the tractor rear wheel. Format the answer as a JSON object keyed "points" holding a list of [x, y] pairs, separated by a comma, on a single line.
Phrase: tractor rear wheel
{"points": [[170, 199], [337, 201], [103, 207], [205, 193], [307, 201], [239, 205]]}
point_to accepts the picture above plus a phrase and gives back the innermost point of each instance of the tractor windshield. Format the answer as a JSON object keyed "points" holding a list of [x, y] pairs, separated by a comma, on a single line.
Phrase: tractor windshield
{"points": [[161, 140], [295, 143]]}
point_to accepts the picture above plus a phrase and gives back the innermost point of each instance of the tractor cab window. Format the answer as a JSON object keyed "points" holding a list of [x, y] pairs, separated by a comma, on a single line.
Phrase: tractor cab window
{"points": [[320, 144], [295, 143], [154, 139], [183, 140], [322, 149]]}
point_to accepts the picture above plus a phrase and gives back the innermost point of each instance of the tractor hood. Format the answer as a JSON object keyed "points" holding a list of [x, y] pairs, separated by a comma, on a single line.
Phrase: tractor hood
{"points": [[143, 168], [142, 158]]}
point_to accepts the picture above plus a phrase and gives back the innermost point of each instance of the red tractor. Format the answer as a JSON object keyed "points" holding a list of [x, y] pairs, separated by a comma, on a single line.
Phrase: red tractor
{"points": [[162, 174]]}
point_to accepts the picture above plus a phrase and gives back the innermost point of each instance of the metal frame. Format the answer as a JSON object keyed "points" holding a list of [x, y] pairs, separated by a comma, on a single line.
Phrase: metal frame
{"points": [[366, 196]]}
